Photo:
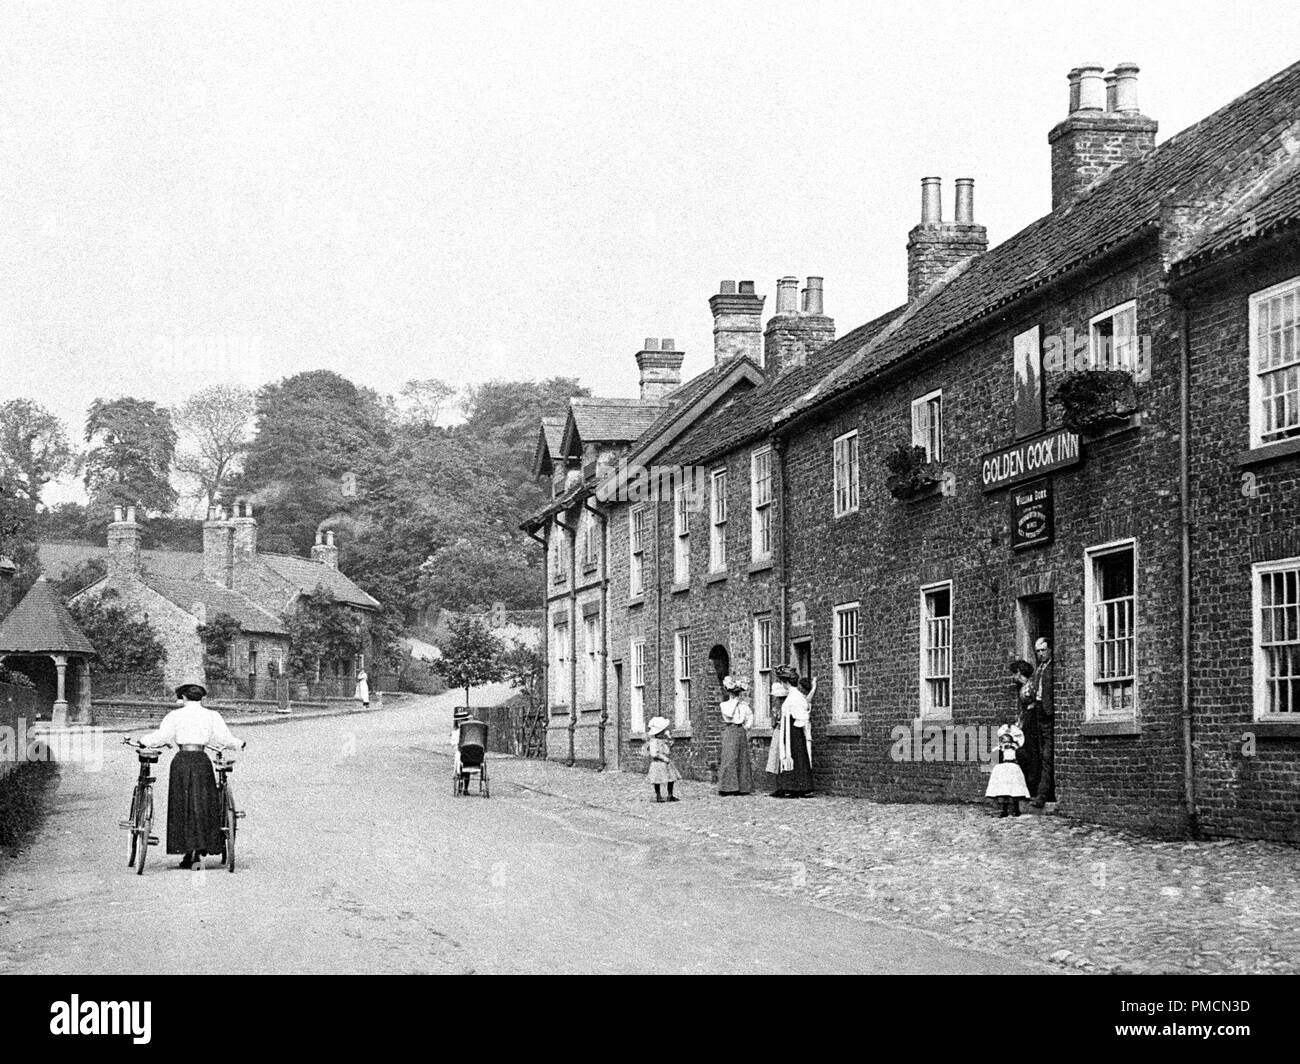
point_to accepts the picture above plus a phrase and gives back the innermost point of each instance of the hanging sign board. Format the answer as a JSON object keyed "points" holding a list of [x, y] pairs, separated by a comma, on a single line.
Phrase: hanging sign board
{"points": [[1031, 515], [1029, 459]]}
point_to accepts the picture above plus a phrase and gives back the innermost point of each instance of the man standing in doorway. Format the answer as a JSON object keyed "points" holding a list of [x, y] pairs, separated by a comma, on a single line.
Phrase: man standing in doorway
{"points": [[1046, 713]]}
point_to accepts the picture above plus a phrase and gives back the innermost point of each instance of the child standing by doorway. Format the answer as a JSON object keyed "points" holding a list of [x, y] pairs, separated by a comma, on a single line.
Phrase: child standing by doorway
{"points": [[662, 770], [1006, 781]]}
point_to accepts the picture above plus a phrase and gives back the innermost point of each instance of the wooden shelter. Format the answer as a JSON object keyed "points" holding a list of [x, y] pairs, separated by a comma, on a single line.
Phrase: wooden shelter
{"points": [[39, 638]]}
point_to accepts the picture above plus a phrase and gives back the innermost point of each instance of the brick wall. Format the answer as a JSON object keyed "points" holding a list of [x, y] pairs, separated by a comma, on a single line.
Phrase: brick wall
{"points": [[1242, 514]]}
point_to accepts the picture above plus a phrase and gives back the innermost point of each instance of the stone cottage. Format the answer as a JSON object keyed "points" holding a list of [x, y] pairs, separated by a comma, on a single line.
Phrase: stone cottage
{"points": [[178, 590]]}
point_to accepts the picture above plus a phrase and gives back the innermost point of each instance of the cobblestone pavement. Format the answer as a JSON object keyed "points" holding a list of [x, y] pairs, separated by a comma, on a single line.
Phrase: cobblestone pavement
{"points": [[1042, 888]]}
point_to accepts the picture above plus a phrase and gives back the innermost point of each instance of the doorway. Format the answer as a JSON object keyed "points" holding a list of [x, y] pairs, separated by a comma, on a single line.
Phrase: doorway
{"points": [[1035, 619], [803, 658]]}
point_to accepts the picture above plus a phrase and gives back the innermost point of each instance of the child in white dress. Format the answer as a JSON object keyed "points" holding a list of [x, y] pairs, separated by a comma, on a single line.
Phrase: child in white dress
{"points": [[1006, 781]]}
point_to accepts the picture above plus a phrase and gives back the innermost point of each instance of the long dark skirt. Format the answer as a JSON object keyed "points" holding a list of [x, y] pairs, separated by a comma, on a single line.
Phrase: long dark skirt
{"points": [[193, 816], [1029, 757], [735, 771], [799, 780]]}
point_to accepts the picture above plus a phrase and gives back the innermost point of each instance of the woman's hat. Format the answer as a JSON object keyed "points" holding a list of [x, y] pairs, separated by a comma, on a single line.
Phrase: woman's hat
{"points": [[1013, 730], [786, 673], [183, 690], [656, 725], [735, 684]]}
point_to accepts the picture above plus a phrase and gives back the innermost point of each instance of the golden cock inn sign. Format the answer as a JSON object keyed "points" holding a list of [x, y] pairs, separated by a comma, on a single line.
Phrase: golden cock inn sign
{"points": [[1029, 458]]}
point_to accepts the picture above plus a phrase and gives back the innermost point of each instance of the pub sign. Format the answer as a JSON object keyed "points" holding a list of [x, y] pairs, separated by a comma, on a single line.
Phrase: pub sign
{"points": [[1032, 520]]}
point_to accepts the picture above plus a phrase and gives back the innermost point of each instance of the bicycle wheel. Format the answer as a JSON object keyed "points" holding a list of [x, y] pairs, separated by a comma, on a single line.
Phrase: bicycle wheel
{"points": [[144, 827], [232, 818], [130, 819]]}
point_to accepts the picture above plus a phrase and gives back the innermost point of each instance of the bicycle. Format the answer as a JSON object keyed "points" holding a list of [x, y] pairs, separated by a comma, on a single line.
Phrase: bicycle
{"points": [[139, 820], [230, 813]]}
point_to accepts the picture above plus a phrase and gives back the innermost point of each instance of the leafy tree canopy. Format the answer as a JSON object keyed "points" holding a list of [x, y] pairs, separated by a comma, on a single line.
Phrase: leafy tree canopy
{"points": [[471, 655], [132, 444], [34, 447], [124, 638]]}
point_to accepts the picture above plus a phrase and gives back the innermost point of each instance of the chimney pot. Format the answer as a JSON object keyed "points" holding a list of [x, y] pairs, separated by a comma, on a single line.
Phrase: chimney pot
{"points": [[964, 209], [1074, 90], [931, 201], [1125, 75], [728, 288], [668, 344], [651, 344], [130, 514], [787, 296], [1092, 87], [746, 288], [812, 297], [320, 538], [118, 514], [329, 538]]}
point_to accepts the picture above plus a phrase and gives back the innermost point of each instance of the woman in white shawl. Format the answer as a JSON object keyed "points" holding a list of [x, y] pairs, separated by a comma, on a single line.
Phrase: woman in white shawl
{"points": [[790, 756], [362, 694], [735, 771]]}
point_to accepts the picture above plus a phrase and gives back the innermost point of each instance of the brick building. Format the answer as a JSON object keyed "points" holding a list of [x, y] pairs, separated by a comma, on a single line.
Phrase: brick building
{"points": [[1089, 432]]}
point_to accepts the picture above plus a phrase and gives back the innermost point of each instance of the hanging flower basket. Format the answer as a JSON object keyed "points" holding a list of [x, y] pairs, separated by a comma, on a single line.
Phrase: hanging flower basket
{"points": [[1096, 399], [910, 475]]}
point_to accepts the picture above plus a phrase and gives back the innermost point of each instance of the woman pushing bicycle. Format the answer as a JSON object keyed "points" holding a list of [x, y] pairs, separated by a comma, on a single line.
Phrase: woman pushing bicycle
{"points": [[193, 813]]}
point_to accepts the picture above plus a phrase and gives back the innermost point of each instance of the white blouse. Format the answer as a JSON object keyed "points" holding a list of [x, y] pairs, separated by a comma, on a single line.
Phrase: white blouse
{"points": [[737, 711], [192, 724]]}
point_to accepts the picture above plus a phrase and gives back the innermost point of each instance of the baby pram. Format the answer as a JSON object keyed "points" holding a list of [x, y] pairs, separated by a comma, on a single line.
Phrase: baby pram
{"points": [[471, 757]]}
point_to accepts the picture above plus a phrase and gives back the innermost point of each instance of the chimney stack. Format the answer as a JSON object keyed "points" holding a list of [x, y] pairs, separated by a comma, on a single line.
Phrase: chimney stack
{"points": [[934, 247], [1103, 131], [123, 546], [8, 569], [325, 552], [660, 366], [737, 322], [243, 542], [217, 559], [794, 335]]}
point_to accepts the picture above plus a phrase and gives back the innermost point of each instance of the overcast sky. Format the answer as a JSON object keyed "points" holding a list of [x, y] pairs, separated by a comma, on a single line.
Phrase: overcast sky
{"points": [[241, 191]]}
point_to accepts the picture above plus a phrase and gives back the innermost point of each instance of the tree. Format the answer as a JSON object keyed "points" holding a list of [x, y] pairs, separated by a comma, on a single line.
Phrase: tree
{"points": [[471, 572], [34, 447], [321, 630], [471, 655], [133, 444], [217, 637], [124, 639], [17, 536], [424, 401], [312, 428], [521, 666], [214, 426]]}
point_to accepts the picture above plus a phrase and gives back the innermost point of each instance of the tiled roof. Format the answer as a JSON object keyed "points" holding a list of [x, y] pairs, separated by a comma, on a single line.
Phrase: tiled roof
{"points": [[58, 559], [609, 420], [41, 624], [553, 433], [216, 599], [308, 575], [1277, 207], [1118, 207]]}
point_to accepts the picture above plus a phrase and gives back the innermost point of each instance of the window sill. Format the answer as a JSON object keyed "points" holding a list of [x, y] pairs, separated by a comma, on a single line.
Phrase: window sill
{"points": [[1274, 729], [590, 570], [850, 729], [846, 513], [635, 600], [928, 492], [559, 711], [683, 732], [936, 719], [1098, 728], [1269, 452], [759, 565], [716, 578], [637, 737], [677, 589]]}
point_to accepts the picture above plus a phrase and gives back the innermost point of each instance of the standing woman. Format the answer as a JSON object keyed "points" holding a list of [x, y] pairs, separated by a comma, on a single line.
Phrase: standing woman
{"points": [[193, 816], [362, 694], [735, 771], [792, 742]]}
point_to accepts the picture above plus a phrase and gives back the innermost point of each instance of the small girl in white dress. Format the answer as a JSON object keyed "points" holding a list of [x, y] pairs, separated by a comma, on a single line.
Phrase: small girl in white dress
{"points": [[1006, 781]]}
